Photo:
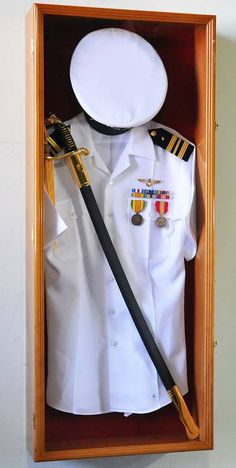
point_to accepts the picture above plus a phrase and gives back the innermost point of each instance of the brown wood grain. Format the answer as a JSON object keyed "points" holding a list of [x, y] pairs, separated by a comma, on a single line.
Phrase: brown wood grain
{"points": [[30, 227], [205, 135]]}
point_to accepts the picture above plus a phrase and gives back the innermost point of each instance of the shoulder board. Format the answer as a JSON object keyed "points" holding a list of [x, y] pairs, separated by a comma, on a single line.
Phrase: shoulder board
{"points": [[171, 142]]}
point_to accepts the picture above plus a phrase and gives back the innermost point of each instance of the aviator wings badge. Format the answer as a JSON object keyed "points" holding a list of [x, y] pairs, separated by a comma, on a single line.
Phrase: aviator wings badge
{"points": [[149, 182]]}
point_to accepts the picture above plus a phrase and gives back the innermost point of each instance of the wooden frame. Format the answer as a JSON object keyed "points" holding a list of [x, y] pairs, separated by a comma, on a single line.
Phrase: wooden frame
{"points": [[203, 33]]}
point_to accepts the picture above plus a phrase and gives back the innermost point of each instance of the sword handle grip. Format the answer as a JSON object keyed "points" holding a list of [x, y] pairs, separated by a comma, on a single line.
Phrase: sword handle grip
{"points": [[192, 430]]}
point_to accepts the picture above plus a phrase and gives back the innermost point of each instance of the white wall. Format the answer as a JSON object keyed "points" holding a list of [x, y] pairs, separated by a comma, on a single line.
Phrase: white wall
{"points": [[12, 285]]}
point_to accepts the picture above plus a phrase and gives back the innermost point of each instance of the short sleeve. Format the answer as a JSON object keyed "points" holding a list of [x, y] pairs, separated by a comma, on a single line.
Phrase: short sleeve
{"points": [[190, 241], [53, 223]]}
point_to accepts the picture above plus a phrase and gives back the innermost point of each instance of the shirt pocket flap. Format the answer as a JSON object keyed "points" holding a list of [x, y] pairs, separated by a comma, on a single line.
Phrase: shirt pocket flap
{"points": [[69, 243], [69, 208], [176, 212], [54, 224]]}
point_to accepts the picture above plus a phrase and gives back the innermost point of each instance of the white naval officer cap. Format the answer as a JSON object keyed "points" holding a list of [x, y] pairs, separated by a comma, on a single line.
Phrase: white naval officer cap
{"points": [[118, 78]]}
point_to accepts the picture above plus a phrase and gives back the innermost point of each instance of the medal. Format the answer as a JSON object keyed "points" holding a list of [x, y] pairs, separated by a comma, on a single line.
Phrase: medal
{"points": [[161, 208], [161, 221], [137, 219], [137, 206]]}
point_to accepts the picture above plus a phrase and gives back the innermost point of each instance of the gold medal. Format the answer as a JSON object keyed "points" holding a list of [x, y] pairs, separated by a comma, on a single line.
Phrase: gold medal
{"points": [[137, 206]]}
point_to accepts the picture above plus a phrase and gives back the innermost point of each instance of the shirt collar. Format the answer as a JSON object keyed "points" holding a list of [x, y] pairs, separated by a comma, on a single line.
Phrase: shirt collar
{"points": [[139, 144]]}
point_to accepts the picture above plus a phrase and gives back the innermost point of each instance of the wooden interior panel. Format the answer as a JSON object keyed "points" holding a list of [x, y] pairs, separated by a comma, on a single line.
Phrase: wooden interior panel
{"points": [[174, 43], [185, 44], [61, 37]]}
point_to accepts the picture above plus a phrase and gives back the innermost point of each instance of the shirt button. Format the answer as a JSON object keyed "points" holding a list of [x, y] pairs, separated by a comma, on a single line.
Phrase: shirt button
{"points": [[111, 279], [114, 344], [113, 312], [73, 216], [153, 395], [110, 214]]}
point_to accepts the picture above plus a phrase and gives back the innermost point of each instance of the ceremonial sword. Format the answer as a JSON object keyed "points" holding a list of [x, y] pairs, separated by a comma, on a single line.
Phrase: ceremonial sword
{"points": [[73, 154]]}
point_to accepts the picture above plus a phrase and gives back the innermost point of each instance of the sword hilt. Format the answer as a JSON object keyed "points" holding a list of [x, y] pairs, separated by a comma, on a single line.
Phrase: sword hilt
{"points": [[72, 154]]}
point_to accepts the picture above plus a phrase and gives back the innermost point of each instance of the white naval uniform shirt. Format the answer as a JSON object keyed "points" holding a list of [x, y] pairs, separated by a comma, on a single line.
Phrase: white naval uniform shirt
{"points": [[97, 362]]}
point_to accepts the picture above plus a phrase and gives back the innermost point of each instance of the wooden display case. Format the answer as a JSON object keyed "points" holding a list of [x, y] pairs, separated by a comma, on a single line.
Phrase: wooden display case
{"points": [[186, 44]]}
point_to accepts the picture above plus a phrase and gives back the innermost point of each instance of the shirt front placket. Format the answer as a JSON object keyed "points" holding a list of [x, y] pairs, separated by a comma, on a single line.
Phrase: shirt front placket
{"points": [[114, 304]]}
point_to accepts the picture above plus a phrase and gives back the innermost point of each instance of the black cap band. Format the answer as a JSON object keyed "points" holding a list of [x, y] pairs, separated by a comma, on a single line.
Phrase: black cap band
{"points": [[101, 128]]}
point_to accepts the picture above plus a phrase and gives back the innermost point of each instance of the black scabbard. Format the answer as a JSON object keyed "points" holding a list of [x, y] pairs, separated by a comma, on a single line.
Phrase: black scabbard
{"points": [[125, 288]]}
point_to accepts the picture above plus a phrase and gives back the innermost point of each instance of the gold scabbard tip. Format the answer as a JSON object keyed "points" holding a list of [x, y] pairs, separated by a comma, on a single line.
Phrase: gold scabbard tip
{"points": [[191, 428]]}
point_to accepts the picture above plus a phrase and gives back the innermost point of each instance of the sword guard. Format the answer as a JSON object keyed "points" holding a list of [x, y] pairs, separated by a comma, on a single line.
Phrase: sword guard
{"points": [[80, 151]]}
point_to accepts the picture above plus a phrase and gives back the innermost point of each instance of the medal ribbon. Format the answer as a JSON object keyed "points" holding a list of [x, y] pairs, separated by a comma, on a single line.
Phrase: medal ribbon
{"points": [[138, 205], [162, 207], [148, 193], [137, 193]]}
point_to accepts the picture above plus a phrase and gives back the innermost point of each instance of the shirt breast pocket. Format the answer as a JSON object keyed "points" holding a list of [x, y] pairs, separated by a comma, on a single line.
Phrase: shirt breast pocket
{"points": [[166, 234], [136, 236], [69, 244]]}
